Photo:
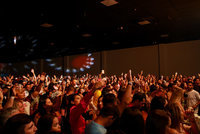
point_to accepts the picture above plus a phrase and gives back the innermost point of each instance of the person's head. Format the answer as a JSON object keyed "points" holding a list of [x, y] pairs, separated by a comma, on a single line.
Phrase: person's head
{"points": [[158, 102], [45, 105], [107, 115], [176, 115], [190, 86], [28, 87], [7, 113], [158, 122], [76, 99], [132, 122], [18, 104], [196, 81], [116, 86], [48, 123], [35, 93], [20, 124], [109, 100], [139, 100], [73, 82], [20, 92]]}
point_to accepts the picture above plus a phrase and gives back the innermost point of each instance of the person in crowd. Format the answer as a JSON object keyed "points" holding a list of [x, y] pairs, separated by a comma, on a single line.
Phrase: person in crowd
{"points": [[159, 122], [48, 124], [193, 98], [75, 101], [76, 120], [105, 118], [20, 124], [132, 121]]}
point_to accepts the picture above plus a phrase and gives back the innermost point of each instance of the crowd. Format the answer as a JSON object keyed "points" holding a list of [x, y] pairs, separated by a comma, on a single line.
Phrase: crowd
{"points": [[99, 104]]}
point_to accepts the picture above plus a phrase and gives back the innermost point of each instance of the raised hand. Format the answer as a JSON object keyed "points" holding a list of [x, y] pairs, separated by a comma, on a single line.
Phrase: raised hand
{"points": [[129, 76], [32, 71]]}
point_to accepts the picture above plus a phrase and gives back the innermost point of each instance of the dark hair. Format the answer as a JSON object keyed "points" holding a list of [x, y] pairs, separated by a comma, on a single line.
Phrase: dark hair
{"points": [[132, 122], [45, 123], [139, 96], [41, 105], [109, 111], [16, 124], [175, 115], [109, 99], [158, 102], [157, 122]]}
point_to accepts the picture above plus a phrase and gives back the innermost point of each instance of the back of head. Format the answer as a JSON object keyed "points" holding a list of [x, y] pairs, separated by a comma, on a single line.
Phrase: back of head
{"points": [[132, 122], [109, 111], [109, 99], [6, 114], [45, 123], [176, 116], [158, 102], [16, 124], [157, 122]]}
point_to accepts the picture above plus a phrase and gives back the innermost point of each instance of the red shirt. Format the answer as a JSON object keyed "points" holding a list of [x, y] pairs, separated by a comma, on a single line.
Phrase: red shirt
{"points": [[76, 119]]}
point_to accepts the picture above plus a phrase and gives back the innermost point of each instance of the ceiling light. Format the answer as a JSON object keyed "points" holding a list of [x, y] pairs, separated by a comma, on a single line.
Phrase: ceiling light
{"points": [[46, 25], [144, 22], [109, 2], [86, 35]]}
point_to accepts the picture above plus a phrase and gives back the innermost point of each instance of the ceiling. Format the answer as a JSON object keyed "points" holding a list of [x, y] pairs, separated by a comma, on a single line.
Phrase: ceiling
{"points": [[81, 26]]}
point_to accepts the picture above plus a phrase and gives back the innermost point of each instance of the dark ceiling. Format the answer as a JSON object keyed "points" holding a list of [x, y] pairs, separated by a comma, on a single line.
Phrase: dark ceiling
{"points": [[81, 26]]}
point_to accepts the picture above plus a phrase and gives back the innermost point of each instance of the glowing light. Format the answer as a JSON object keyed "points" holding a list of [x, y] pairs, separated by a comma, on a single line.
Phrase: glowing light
{"points": [[15, 40], [87, 67], [67, 71], [48, 60], [52, 64], [81, 69], [91, 63], [89, 54], [74, 70], [34, 45], [34, 62], [58, 68], [34, 41], [26, 67], [91, 58]]}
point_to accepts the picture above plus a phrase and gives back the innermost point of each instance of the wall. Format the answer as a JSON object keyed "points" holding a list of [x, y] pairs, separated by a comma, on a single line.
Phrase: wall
{"points": [[182, 57], [137, 59]]}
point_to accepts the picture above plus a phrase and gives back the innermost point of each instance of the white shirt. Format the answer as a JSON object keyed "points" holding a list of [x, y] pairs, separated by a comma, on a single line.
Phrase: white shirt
{"points": [[192, 99]]}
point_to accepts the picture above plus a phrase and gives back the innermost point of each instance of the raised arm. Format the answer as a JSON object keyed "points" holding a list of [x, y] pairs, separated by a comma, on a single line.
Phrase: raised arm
{"points": [[80, 108], [127, 95]]}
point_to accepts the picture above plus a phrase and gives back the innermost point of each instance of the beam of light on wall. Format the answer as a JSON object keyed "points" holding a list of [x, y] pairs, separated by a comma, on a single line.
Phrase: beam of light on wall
{"points": [[74, 70], [34, 45], [67, 71], [87, 66], [34, 62], [48, 60], [34, 41], [52, 64], [81, 69], [26, 67], [58, 68]]}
